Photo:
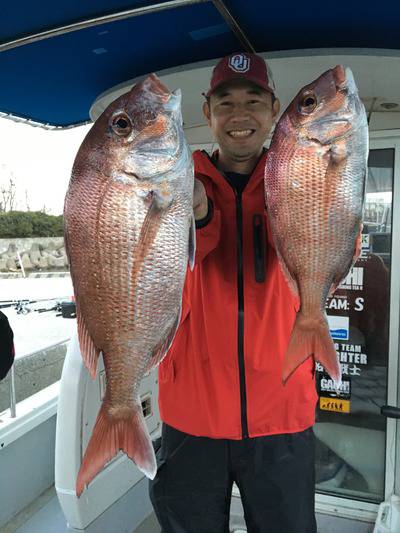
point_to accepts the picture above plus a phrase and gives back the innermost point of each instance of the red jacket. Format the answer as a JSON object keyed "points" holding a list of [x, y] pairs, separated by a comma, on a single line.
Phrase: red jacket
{"points": [[222, 376]]}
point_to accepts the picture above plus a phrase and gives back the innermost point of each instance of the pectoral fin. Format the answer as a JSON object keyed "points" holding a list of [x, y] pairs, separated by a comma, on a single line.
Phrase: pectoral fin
{"points": [[147, 235], [150, 224], [90, 354]]}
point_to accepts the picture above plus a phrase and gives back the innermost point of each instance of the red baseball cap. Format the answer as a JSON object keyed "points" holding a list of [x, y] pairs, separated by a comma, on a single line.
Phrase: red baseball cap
{"points": [[251, 67]]}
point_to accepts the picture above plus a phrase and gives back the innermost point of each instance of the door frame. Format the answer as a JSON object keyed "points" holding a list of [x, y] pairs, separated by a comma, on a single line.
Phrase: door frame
{"points": [[340, 505]]}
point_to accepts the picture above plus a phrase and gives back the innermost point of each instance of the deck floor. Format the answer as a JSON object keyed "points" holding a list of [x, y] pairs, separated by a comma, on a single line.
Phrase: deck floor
{"points": [[47, 517]]}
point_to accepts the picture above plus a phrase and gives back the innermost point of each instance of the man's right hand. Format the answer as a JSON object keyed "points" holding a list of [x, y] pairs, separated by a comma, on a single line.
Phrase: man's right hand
{"points": [[200, 201]]}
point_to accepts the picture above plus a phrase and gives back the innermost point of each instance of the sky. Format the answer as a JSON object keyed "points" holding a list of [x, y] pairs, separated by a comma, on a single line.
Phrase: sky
{"points": [[39, 162]]}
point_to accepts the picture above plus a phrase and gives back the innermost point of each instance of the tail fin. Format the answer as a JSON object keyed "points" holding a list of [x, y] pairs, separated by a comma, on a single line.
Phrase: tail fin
{"points": [[111, 434], [311, 336]]}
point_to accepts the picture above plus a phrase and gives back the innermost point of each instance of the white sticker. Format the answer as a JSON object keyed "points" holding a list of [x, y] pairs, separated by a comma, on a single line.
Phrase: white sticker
{"points": [[339, 327]]}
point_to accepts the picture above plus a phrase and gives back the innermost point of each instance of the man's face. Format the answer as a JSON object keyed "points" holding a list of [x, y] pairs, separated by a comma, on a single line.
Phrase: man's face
{"points": [[240, 115]]}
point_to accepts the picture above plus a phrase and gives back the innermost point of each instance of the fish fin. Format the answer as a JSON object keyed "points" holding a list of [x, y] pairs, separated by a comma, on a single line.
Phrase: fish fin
{"points": [[160, 351], [335, 284], [311, 337], [192, 243], [147, 235], [357, 250], [90, 354], [337, 281], [358, 246], [289, 278], [150, 224], [110, 435]]}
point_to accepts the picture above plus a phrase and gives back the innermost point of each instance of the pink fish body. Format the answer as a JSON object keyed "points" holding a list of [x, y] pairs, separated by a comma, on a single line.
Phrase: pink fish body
{"points": [[314, 189], [129, 232]]}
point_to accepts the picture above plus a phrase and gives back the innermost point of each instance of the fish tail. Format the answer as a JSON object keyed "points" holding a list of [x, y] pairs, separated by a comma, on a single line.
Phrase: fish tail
{"points": [[311, 337], [110, 434]]}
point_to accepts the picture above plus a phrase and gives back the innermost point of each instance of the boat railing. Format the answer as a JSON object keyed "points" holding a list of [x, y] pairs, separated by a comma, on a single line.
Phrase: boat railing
{"points": [[13, 401]]}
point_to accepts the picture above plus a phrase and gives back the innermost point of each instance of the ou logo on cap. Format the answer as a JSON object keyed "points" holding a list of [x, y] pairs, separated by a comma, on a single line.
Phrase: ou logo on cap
{"points": [[239, 63]]}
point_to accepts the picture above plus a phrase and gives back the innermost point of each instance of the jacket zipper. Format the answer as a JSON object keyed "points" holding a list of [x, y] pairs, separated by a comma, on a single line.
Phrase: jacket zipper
{"points": [[240, 291]]}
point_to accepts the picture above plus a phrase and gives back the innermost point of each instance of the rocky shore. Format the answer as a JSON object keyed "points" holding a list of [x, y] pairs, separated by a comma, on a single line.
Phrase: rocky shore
{"points": [[33, 255]]}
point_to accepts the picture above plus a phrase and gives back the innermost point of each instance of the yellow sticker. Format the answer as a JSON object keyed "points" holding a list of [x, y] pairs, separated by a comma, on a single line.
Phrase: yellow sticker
{"points": [[334, 404]]}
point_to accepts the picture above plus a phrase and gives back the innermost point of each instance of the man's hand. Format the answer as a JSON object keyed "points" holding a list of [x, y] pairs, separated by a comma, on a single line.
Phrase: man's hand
{"points": [[200, 202]]}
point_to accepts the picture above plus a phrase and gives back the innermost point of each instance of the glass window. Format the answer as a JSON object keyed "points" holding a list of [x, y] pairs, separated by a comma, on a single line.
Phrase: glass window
{"points": [[350, 430]]}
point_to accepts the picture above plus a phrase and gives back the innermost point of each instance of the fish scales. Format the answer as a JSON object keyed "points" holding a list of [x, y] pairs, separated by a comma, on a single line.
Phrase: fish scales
{"points": [[315, 181]]}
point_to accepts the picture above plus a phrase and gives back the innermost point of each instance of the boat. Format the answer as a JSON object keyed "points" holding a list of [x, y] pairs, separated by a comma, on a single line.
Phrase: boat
{"points": [[62, 64]]}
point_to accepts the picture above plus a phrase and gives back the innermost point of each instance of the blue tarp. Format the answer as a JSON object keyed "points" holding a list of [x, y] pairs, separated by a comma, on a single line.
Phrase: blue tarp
{"points": [[56, 80]]}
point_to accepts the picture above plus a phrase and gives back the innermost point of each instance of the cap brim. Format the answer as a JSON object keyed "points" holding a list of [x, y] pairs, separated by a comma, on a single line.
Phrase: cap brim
{"points": [[239, 77]]}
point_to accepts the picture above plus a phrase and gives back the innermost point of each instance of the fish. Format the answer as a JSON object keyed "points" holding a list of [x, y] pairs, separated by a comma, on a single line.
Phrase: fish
{"points": [[315, 177], [130, 237]]}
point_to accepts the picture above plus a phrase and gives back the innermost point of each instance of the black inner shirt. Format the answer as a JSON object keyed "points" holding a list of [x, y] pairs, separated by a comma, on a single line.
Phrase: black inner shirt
{"points": [[237, 181]]}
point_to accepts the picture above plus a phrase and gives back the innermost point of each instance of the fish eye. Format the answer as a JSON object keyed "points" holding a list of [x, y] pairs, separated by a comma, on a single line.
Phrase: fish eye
{"points": [[121, 124], [308, 103]]}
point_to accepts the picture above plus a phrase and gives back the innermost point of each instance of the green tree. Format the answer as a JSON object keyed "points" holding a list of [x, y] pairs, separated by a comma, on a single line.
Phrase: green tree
{"points": [[15, 224]]}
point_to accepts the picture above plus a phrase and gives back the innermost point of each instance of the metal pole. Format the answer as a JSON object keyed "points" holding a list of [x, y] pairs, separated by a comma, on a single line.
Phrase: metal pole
{"points": [[13, 401], [234, 26], [129, 13], [21, 265]]}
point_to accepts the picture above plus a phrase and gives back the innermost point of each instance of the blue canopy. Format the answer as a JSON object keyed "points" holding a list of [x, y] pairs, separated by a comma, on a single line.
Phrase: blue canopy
{"points": [[57, 57]]}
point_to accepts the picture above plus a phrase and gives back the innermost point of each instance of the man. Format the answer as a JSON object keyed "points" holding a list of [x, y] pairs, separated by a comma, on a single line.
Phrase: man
{"points": [[227, 416]]}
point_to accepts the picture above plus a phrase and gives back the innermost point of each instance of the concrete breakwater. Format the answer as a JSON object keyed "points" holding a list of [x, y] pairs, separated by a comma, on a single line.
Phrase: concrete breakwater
{"points": [[33, 373], [40, 254]]}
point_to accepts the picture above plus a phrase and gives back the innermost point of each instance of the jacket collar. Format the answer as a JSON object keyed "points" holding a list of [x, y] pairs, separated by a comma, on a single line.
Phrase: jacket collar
{"points": [[205, 166]]}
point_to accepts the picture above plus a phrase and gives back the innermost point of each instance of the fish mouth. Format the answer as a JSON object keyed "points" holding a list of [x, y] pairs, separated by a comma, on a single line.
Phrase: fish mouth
{"points": [[137, 178], [331, 120], [344, 80], [330, 137], [129, 173], [351, 84], [347, 86]]}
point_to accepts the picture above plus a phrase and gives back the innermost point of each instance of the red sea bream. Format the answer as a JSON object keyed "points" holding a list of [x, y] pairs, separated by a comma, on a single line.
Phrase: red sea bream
{"points": [[129, 232], [314, 188]]}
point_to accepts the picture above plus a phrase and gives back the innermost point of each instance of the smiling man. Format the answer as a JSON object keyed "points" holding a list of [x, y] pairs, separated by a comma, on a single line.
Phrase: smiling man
{"points": [[240, 111], [226, 415]]}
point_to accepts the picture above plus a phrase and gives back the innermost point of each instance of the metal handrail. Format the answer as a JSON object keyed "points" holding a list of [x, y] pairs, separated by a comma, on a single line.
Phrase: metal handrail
{"points": [[234, 26], [89, 23], [13, 401]]}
